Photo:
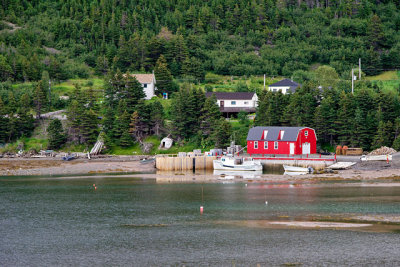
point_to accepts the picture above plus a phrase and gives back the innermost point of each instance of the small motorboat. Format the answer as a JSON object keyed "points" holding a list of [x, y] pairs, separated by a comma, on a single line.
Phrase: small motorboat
{"points": [[69, 157], [296, 169], [237, 164]]}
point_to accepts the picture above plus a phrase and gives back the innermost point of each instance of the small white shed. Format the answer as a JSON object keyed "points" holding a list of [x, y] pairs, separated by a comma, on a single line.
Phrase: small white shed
{"points": [[166, 143]]}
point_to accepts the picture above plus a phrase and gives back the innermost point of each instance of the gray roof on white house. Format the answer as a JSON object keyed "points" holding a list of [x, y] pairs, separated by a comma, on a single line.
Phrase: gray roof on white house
{"points": [[285, 83], [231, 95], [256, 133]]}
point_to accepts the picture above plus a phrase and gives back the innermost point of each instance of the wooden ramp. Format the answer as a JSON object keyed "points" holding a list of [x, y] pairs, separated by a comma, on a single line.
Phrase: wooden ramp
{"points": [[341, 165]]}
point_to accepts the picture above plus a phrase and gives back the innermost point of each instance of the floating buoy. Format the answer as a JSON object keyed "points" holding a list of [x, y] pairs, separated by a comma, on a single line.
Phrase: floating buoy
{"points": [[266, 202], [245, 185], [95, 188], [201, 209], [94, 185]]}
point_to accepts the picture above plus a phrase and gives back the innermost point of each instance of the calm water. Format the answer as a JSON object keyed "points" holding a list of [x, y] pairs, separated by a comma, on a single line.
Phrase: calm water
{"points": [[133, 222]]}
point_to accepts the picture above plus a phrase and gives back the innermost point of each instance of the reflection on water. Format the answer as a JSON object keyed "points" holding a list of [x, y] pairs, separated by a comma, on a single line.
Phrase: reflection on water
{"points": [[141, 223], [238, 174]]}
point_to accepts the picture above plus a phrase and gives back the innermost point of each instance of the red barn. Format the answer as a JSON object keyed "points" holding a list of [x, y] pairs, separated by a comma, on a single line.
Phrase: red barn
{"points": [[281, 140]]}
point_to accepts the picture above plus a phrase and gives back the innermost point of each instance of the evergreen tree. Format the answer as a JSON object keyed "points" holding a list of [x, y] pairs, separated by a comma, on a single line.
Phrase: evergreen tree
{"points": [[210, 116], [132, 92], [163, 76], [222, 134], [40, 100], [3, 123], [122, 124], [56, 135], [26, 121], [108, 122], [126, 139], [156, 117], [89, 128]]}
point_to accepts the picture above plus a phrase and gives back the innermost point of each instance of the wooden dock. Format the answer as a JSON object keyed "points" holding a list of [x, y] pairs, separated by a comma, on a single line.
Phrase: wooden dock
{"points": [[175, 163]]}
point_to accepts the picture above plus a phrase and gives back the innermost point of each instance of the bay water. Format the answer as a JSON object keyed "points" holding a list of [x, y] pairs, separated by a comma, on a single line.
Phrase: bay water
{"points": [[64, 221]]}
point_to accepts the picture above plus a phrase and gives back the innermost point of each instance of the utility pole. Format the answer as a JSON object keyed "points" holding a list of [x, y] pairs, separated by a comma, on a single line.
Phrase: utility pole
{"points": [[352, 81], [49, 92], [264, 82], [359, 69]]}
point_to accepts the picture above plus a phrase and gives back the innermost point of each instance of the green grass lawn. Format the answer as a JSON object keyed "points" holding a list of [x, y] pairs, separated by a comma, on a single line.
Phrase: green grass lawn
{"points": [[68, 86], [386, 81], [385, 76]]}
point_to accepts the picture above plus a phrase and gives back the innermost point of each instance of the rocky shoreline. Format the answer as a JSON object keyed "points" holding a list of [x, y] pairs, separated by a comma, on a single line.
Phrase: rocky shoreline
{"points": [[128, 164]]}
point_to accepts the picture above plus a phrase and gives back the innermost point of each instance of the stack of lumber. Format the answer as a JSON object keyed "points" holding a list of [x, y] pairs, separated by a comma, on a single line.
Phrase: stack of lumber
{"points": [[383, 151]]}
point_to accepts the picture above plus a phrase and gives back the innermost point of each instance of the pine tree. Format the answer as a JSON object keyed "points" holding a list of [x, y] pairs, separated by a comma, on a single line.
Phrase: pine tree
{"points": [[26, 121], [108, 122], [75, 113], [375, 32], [4, 122], [156, 117], [222, 134], [126, 139], [89, 128], [210, 116], [163, 76], [122, 124], [132, 92], [56, 135], [40, 100]]}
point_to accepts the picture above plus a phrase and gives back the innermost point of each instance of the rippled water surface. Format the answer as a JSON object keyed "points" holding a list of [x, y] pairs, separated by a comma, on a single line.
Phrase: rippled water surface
{"points": [[46, 221]]}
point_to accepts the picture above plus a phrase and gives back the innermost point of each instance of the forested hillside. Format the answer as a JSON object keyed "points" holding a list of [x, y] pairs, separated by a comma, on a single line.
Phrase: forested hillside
{"points": [[276, 37], [317, 43]]}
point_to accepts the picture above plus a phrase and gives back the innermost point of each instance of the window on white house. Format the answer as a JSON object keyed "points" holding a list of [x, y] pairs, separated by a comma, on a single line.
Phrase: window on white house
{"points": [[233, 102], [266, 145], [145, 85], [246, 102], [255, 144], [276, 145], [274, 90], [306, 133]]}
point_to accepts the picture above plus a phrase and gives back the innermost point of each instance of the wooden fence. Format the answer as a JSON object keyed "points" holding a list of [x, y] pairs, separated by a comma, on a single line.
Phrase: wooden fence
{"points": [[171, 163]]}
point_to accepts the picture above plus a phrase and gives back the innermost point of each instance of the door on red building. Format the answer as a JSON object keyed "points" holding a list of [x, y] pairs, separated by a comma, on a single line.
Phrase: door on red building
{"points": [[306, 148], [291, 148]]}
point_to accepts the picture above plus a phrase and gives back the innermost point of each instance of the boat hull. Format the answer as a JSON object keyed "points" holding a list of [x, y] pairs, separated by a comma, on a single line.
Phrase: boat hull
{"points": [[256, 166], [288, 168], [377, 158]]}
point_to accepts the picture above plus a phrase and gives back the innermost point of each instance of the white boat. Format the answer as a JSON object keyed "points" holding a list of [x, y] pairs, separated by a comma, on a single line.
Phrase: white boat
{"points": [[288, 168], [237, 164], [377, 157]]}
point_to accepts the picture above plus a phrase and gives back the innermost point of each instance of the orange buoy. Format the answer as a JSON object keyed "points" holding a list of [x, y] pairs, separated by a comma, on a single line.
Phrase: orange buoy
{"points": [[95, 188], [201, 209], [94, 185]]}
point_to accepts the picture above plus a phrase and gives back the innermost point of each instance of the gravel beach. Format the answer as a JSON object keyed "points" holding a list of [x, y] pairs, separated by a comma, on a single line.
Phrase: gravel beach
{"points": [[121, 164]]}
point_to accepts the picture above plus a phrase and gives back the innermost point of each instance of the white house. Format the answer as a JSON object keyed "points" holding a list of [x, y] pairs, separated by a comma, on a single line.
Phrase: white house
{"points": [[234, 102], [285, 86], [148, 82]]}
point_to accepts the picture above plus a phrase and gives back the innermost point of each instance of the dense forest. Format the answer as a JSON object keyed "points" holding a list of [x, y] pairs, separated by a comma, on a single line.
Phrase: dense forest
{"points": [[315, 42]]}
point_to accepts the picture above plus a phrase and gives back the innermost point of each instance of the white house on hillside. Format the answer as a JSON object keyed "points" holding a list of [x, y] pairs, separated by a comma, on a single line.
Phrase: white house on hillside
{"points": [[285, 86], [234, 102], [148, 82]]}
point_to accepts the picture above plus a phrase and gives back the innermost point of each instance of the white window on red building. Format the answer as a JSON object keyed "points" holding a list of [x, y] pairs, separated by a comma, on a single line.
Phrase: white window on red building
{"points": [[266, 145], [255, 144], [275, 145], [306, 133]]}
